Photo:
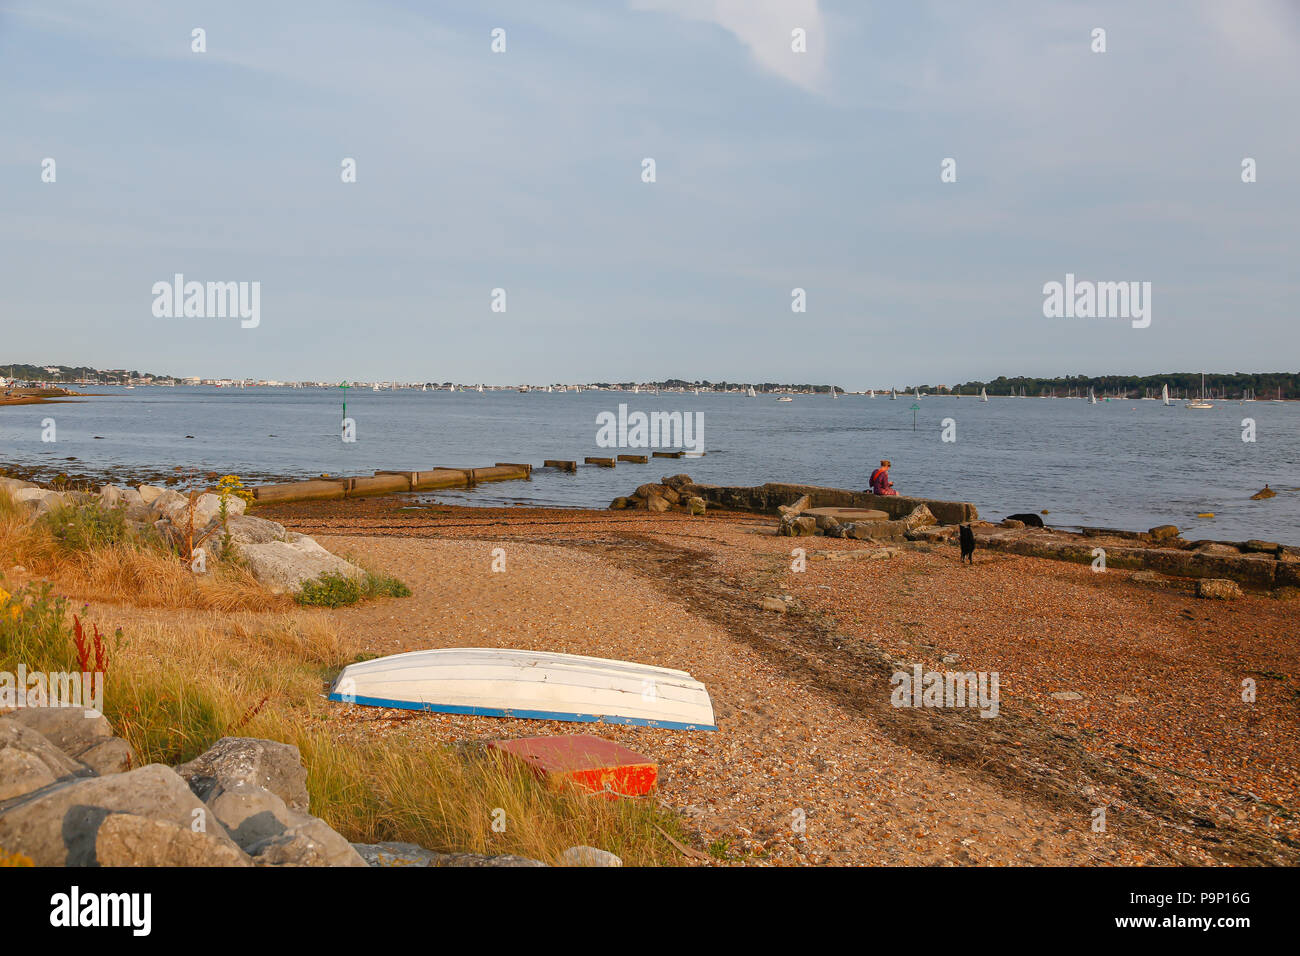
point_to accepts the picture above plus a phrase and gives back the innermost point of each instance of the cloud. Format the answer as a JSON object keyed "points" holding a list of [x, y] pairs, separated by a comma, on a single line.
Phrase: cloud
{"points": [[765, 27]]}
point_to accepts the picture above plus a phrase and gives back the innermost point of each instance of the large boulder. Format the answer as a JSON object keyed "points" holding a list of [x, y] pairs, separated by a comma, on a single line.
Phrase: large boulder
{"points": [[245, 530], [136, 509], [28, 762], [232, 761], [656, 503], [110, 496], [284, 566], [151, 493], [72, 729], [252, 814], [677, 482], [59, 825], [38, 501], [14, 484], [310, 843], [124, 839]]}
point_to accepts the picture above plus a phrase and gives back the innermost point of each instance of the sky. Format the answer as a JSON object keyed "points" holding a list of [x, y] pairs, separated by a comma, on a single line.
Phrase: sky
{"points": [[774, 170]]}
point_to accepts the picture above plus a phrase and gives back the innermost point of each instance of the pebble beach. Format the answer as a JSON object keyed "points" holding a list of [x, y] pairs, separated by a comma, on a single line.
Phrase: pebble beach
{"points": [[1120, 703]]}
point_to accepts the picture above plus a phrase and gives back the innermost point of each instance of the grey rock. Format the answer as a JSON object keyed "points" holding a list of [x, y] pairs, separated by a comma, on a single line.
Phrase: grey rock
{"points": [[284, 566], [111, 755], [72, 729], [311, 843], [269, 764], [150, 493], [252, 814], [58, 826], [588, 856], [29, 761], [111, 496], [124, 839]]}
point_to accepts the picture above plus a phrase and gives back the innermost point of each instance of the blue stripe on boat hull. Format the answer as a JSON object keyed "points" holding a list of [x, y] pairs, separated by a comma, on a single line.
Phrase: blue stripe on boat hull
{"points": [[522, 714]]}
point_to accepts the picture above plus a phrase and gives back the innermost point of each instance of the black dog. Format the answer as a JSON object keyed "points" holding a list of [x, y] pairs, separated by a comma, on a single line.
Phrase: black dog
{"points": [[1030, 520], [967, 537]]}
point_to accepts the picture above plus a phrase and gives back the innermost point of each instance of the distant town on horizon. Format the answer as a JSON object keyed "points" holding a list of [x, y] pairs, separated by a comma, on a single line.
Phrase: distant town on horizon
{"points": [[1283, 385]]}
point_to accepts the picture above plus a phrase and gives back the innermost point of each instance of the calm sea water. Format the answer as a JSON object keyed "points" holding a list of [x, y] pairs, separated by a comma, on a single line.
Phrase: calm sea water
{"points": [[1122, 464]]}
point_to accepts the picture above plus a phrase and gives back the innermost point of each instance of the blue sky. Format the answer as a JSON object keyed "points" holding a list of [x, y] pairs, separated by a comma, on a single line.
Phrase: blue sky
{"points": [[775, 170]]}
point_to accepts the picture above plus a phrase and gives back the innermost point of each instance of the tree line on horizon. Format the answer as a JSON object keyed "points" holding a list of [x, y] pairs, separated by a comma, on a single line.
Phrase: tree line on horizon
{"points": [[1262, 385]]}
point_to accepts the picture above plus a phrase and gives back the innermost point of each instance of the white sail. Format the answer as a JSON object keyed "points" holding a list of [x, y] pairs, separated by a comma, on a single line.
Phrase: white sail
{"points": [[871, 393], [1164, 394], [984, 395]]}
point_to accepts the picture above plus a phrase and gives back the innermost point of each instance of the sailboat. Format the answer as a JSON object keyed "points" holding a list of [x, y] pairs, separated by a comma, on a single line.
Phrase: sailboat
{"points": [[1164, 394], [1092, 397], [750, 393], [871, 393], [1200, 402], [893, 394], [480, 387], [984, 395]]}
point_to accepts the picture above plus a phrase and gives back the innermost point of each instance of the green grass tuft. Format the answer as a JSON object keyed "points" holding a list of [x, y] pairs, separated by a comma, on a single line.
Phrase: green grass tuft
{"points": [[332, 589]]}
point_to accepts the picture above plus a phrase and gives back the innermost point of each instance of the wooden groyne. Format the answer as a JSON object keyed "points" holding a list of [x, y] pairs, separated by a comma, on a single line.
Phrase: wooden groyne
{"points": [[388, 483]]}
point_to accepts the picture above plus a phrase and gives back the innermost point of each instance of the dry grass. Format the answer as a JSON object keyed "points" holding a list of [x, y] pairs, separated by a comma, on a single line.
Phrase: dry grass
{"points": [[173, 691], [130, 569]]}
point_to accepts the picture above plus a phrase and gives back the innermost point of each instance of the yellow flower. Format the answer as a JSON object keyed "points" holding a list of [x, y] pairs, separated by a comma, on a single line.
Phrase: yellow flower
{"points": [[4, 595]]}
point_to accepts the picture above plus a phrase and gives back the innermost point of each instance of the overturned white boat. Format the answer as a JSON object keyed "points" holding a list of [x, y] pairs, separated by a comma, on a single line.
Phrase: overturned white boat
{"points": [[536, 685]]}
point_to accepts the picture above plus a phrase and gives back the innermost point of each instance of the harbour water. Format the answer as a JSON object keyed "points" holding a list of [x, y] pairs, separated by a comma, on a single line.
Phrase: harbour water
{"points": [[1120, 464]]}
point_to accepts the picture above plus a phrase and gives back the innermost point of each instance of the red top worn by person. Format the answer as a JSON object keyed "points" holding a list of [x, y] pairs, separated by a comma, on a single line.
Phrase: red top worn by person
{"points": [[880, 483]]}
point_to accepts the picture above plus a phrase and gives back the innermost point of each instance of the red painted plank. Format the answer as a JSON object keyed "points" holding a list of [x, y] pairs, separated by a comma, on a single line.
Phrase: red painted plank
{"points": [[592, 763]]}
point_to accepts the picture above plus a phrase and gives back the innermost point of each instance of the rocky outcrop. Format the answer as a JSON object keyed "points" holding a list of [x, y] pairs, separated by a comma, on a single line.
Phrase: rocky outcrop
{"points": [[1261, 569], [665, 496], [243, 802], [84, 735], [59, 825]]}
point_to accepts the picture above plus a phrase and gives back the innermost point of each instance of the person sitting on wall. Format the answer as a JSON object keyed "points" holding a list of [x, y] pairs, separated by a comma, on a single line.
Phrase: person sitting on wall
{"points": [[880, 483]]}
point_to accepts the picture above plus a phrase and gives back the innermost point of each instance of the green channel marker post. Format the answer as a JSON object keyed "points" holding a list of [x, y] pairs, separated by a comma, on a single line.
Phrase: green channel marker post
{"points": [[915, 408]]}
